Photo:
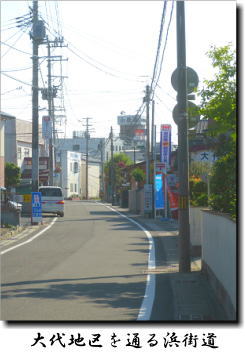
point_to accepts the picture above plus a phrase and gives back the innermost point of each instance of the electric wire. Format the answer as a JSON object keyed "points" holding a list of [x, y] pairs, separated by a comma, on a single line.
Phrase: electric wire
{"points": [[164, 48]]}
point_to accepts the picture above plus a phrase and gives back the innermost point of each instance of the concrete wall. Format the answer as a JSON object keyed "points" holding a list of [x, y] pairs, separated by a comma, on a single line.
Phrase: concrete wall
{"points": [[219, 257], [136, 201], [93, 179], [196, 229]]}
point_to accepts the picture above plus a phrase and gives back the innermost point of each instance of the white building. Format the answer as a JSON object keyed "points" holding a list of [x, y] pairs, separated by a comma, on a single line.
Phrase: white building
{"points": [[4, 118], [69, 178], [93, 178]]}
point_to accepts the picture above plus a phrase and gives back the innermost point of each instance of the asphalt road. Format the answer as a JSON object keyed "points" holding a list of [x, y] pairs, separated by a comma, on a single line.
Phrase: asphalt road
{"points": [[90, 265]]}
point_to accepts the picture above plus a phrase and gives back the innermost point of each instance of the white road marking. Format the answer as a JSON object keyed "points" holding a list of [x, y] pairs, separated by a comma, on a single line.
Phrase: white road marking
{"points": [[30, 239], [147, 303]]}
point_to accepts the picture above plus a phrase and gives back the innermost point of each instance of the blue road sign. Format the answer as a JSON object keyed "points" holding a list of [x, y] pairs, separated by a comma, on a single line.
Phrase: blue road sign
{"points": [[36, 201], [159, 192]]}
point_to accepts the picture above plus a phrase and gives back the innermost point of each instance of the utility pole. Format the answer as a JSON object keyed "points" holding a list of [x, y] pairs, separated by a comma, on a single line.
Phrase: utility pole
{"points": [[154, 171], [49, 94], [183, 149], [152, 128], [50, 112], [87, 136], [153, 154], [147, 100], [112, 170], [35, 132], [101, 148]]}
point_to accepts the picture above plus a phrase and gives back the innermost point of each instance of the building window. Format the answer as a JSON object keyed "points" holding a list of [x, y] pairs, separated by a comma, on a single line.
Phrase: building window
{"points": [[71, 166], [76, 147], [75, 167], [19, 153], [26, 152], [71, 187], [75, 186]]}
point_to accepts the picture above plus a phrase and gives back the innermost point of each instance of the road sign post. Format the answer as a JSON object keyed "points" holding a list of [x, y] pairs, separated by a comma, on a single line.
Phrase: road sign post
{"points": [[36, 201]]}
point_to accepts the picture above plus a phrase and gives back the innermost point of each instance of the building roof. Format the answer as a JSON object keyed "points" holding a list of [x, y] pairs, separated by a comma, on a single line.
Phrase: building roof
{"points": [[4, 115]]}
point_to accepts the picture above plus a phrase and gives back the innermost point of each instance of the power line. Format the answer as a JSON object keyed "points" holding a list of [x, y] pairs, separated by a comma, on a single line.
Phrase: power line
{"points": [[165, 44], [12, 70], [10, 46], [13, 78], [102, 70], [159, 43]]}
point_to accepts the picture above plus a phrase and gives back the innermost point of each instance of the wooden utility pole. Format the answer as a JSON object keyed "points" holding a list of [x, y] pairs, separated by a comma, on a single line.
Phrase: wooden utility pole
{"points": [[183, 149], [35, 132]]}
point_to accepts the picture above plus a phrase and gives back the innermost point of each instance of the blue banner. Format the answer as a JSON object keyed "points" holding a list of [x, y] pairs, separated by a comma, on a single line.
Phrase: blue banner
{"points": [[159, 192], [165, 144], [36, 206]]}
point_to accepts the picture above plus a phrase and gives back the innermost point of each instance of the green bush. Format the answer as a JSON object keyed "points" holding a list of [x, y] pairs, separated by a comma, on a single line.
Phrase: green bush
{"points": [[198, 193], [138, 174]]}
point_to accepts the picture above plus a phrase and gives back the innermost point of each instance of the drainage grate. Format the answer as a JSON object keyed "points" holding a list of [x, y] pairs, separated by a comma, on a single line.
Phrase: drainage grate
{"points": [[167, 269], [190, 317]]}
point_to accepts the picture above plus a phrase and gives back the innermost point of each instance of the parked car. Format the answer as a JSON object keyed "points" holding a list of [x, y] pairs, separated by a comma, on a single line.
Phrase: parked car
{"points": [[7, 202], [52, 200]]}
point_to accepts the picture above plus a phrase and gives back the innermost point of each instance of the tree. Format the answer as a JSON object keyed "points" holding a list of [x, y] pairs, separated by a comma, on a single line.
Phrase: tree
{"points": [[219, 104], [12, 174], [139, 175], [120, 161]]}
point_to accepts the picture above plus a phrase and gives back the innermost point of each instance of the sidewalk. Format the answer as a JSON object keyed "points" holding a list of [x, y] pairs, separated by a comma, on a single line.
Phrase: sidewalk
{"points": [[11, 234], [194, 299]]}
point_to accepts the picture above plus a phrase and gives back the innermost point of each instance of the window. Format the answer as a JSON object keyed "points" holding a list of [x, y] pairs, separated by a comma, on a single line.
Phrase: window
{"points": [[71, 166], [76, 147], [19, 153], [26, 152], [75, 186], [75, 167], [71, 187], [51, 192]]}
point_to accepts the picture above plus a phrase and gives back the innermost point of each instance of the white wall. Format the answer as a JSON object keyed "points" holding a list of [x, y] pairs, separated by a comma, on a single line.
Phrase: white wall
{"points": [[93, 179], [219, 253], [195, 226]]}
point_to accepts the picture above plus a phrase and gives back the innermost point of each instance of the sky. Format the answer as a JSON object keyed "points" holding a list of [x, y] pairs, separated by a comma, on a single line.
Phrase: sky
{"points": [[111, 50]]}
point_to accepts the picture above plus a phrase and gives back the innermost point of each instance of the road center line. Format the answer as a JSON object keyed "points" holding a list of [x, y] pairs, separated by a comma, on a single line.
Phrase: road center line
{"points": [[147, 303], [30, 239]]}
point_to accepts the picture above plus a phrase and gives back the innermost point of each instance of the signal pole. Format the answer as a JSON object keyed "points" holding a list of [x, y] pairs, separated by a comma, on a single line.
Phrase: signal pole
{"points": [[35, 133], [183, 149]]}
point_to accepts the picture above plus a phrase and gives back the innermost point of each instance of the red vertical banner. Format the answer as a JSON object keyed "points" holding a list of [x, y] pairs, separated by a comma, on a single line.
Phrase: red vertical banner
{"points": [[173, 199]]}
